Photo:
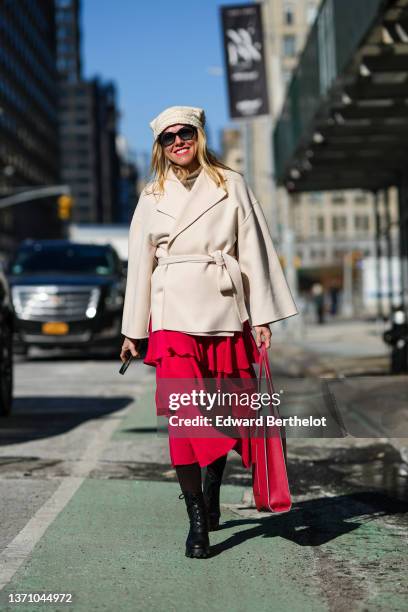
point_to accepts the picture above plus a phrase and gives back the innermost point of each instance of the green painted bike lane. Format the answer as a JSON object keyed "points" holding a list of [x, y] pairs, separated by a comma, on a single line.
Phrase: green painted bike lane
{"points": [[119, 545]]}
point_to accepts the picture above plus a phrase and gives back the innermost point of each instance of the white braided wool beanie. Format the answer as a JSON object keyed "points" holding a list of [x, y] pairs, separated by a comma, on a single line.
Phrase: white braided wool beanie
{"points": [[189, 115]]}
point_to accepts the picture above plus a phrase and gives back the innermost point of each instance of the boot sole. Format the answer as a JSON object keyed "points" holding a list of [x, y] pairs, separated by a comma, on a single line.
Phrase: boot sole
{"points": [[199, 553]]}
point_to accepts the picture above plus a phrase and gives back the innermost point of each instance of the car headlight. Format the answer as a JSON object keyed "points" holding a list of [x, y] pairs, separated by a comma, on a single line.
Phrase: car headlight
{"points": [[399, 317], [93, 303]]}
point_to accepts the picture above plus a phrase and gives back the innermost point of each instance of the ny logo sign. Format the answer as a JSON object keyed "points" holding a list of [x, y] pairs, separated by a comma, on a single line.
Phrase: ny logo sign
{"points": [[241, 47]]}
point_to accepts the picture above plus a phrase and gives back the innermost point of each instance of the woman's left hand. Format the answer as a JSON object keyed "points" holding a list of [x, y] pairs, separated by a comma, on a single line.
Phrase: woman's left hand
{"points": [[265, 332]]}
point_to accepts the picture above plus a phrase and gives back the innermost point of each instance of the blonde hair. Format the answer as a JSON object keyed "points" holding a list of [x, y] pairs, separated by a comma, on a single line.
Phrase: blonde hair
{"points": [[160, 165]]}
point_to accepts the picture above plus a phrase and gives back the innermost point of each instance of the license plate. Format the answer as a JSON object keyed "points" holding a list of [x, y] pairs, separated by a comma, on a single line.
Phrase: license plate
{"points": [[56, 328]]}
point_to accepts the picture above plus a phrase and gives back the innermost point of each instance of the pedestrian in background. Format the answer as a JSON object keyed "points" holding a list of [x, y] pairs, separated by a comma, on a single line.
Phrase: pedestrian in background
{"points": [[202, 269], [317, 292], [334, 291]]}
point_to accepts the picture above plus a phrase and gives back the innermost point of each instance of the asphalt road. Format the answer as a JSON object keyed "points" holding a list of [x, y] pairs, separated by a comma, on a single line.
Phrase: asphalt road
{"points": [[90, 507]]}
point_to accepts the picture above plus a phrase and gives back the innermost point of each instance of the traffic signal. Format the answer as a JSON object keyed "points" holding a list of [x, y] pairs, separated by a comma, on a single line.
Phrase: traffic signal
{"points": [[65, 203]]}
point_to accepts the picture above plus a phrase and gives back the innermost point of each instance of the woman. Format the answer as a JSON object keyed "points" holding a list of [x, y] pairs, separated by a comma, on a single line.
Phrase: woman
{"points": [[202, 269]]}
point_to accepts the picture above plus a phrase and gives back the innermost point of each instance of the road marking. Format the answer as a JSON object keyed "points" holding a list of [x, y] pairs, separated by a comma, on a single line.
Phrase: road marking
{"points": [[14, 555]]}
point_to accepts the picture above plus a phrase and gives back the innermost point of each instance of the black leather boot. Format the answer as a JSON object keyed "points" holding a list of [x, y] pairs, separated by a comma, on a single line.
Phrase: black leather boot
{"points": [[197, 543], [211, 487]]}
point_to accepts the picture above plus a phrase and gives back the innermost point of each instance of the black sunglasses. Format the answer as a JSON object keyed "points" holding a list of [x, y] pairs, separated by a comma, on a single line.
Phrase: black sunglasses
{"points": [[186, 133]]}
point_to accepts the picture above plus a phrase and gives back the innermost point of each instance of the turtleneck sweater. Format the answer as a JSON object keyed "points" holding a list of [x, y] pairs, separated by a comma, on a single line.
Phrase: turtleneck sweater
{"points": [[191, 178]]}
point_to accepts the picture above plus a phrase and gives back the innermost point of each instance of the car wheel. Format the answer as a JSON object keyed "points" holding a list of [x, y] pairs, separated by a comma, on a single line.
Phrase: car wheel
{"points": [[6, 373]]}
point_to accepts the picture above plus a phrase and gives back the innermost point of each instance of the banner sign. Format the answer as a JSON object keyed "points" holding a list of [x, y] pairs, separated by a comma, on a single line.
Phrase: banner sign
{"points": [[244, 60]]}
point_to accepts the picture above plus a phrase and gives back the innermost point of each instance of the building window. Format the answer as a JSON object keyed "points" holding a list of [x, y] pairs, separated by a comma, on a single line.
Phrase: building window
{"points": [[316, 197], [317, 225], [288, 14], [338, 254], [361, 198], [289, 45], [361, 223], [339, 224], [317, 254], [338, 198]]}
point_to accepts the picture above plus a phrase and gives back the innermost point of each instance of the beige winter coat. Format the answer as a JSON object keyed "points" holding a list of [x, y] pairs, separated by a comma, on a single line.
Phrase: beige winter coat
{"points": [[202, 261]]}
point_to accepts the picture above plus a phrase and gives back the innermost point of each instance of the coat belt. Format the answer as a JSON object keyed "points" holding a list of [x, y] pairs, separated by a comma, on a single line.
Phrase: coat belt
{"points": [[229, 273]]}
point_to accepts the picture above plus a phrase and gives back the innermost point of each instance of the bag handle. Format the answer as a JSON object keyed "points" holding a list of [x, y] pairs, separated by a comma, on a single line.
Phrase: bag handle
{"points": [[264, 363]]}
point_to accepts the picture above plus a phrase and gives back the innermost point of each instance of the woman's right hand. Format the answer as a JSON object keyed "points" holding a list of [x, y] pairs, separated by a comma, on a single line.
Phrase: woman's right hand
{"points": [[132, 345]]}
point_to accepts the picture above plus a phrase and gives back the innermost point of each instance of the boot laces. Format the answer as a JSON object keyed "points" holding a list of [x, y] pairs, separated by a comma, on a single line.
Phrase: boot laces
{"points": [[195, 509]]}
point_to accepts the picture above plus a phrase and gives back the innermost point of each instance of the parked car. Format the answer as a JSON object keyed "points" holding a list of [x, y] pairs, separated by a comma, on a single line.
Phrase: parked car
{"points": [[67, 294], [6, 346], [397, 337]]}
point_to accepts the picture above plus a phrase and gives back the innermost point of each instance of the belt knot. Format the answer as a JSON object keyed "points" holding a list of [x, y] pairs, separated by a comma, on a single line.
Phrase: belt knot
{"points": [[219, 258]]}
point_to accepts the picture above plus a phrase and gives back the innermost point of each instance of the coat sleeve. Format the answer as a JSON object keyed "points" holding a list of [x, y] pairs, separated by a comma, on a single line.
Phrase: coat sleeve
{"points": [[267, 294], [141, 262]]}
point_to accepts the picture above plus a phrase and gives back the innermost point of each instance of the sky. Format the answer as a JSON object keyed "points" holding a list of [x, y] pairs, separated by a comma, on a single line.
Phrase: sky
{"points": [[159, 53]]}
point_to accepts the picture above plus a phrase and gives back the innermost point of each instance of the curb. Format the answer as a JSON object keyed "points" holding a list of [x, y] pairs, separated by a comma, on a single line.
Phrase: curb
{"points": [[296, 361]]}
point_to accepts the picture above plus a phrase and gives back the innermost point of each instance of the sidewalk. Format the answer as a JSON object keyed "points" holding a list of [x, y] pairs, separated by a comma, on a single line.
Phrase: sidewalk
{"points": [[354, 351], [338, 347]]}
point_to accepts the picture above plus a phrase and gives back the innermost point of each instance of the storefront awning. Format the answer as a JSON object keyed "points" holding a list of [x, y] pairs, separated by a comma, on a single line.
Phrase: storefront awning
{"points": [[344, 122]]}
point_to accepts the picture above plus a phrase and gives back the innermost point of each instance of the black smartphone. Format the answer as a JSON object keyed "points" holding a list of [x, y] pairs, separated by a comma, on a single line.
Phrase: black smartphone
{"points": [[142, 350], [126, 364]]}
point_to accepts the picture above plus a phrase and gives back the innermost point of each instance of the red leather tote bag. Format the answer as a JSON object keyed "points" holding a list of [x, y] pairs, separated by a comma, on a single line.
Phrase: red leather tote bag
{"points": [[269, 476]]}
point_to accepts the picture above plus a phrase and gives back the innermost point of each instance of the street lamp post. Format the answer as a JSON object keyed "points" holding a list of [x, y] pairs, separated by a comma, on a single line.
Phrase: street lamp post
{"points": [[35, 193], [63, 192]]}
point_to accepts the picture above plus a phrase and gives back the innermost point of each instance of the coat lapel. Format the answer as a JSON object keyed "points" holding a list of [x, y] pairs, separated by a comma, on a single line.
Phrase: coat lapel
{"points": [[187, 206], [170, 203]]}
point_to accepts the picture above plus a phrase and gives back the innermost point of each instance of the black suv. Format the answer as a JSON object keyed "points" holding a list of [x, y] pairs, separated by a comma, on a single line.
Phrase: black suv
{"points": [[67, 294], [6, 347]]}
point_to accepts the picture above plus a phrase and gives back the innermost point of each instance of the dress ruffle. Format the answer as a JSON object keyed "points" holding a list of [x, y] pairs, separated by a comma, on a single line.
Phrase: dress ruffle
{"points": [[219, 353]]}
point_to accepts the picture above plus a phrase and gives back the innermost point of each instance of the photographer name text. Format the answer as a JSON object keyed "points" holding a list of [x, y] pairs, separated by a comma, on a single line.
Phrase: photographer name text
{"points": [[259, 421]]}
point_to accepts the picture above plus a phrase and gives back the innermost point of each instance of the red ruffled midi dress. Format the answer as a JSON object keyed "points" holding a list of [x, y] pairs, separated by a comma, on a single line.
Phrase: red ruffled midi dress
{"points": [[176, 354]]}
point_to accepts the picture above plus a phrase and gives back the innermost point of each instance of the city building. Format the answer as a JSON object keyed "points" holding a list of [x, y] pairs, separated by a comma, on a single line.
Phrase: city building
{"points": [[68, 35], [231, 145], [89, 163], [285, 25], [128, 181], [327, 227], [28, 118], [88, 118]]}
